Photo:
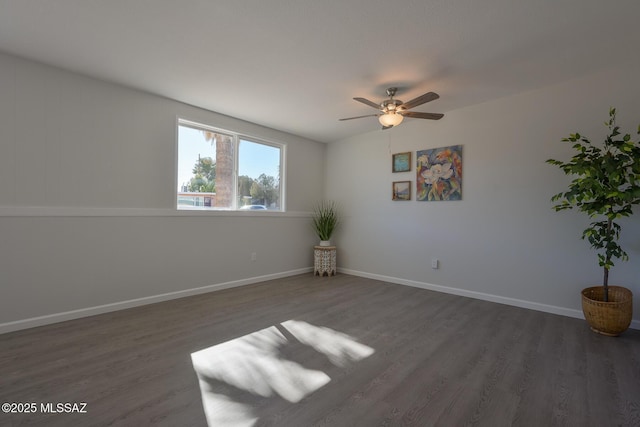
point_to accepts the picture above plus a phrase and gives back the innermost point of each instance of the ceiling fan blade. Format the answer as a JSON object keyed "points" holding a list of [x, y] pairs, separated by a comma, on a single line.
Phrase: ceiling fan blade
{"points": [[429, 96], [417, 115], [367, 102], [359, 117], [386, 127]]}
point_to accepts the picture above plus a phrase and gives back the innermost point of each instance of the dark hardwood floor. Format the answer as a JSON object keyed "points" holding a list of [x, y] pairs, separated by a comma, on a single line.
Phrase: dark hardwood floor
{"points": [[311, 351]]}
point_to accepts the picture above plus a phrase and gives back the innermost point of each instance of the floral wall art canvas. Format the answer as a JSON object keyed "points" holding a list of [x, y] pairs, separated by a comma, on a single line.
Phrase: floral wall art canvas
{"points": [[439, 174]]}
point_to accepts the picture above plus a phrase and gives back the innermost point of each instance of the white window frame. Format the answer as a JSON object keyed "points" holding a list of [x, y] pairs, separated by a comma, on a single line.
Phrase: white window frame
{"points": [[237, 136]]}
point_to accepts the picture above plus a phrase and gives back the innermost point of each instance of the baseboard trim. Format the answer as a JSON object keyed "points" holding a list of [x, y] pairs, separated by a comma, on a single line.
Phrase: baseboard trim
{"points": [[562, 311], [106, 308]]}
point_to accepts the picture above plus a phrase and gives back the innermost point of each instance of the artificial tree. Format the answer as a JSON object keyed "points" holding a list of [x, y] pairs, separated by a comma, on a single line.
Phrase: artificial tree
{"points": [[606, 187]]}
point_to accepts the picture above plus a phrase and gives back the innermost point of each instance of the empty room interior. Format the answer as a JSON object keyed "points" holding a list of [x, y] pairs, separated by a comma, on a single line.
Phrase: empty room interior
{"points": [[162, 164]]}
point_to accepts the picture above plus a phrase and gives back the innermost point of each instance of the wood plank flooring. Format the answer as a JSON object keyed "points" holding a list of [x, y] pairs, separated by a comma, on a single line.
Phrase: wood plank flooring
{"points": [[435, 360]]}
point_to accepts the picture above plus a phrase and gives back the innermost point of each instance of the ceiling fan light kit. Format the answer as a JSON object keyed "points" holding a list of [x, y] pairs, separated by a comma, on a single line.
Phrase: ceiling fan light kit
{"points": [[394, 111], [390, 119]]}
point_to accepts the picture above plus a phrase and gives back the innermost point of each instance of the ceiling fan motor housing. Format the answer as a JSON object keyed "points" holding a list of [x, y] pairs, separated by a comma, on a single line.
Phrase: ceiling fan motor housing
{"points": [[389, 105]]}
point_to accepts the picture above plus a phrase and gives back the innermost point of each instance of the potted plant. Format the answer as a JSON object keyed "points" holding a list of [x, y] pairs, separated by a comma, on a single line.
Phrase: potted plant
{"points": [[606, 187], [325, 221]]}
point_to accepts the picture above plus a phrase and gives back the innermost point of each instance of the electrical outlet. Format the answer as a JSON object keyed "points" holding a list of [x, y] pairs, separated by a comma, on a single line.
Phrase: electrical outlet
{"points": [[254, 256], [435, 263]]}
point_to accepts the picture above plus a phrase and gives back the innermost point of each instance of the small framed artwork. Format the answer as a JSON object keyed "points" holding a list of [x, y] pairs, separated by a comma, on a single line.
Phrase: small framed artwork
{"points": [[401, 162], [401, 190]]}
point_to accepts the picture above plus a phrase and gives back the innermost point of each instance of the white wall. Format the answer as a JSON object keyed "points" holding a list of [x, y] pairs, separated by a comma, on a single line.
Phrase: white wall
{"points": [[502, 242], [87, 201]]}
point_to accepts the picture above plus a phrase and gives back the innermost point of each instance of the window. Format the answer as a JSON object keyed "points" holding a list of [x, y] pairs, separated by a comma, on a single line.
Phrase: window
{"points": [[218, 169]]}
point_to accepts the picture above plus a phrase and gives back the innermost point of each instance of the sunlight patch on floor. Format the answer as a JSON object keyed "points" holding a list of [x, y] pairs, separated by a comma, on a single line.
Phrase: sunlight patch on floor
{"points": [[338, 347], [236, 374]]}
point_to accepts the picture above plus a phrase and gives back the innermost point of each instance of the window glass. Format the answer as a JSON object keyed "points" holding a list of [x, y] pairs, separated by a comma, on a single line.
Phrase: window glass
{"points": [[208, 177], [258, 176]]}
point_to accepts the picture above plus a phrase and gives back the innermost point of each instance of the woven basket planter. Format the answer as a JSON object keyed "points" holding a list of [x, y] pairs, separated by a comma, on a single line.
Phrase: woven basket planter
{"points": [[607, 318]]}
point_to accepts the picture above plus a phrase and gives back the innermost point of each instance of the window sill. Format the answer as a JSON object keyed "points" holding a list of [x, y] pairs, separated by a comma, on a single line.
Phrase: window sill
{"points": [[48, 211]]}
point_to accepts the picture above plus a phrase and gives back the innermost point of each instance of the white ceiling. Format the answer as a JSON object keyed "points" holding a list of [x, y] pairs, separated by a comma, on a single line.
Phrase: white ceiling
{"points": [[295, 65]]}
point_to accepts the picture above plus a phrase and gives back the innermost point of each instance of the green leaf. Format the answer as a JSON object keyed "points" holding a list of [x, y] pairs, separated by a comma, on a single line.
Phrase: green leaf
{"points": [[605, 186], [325, 219]]}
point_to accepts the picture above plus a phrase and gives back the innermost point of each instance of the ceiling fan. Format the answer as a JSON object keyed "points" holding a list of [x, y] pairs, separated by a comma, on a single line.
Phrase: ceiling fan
{"points": [[393, 111]]}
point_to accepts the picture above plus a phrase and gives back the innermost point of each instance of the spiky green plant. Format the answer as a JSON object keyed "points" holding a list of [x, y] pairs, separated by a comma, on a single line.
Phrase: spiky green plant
{"points": [[606, 187], [325, 219]]}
